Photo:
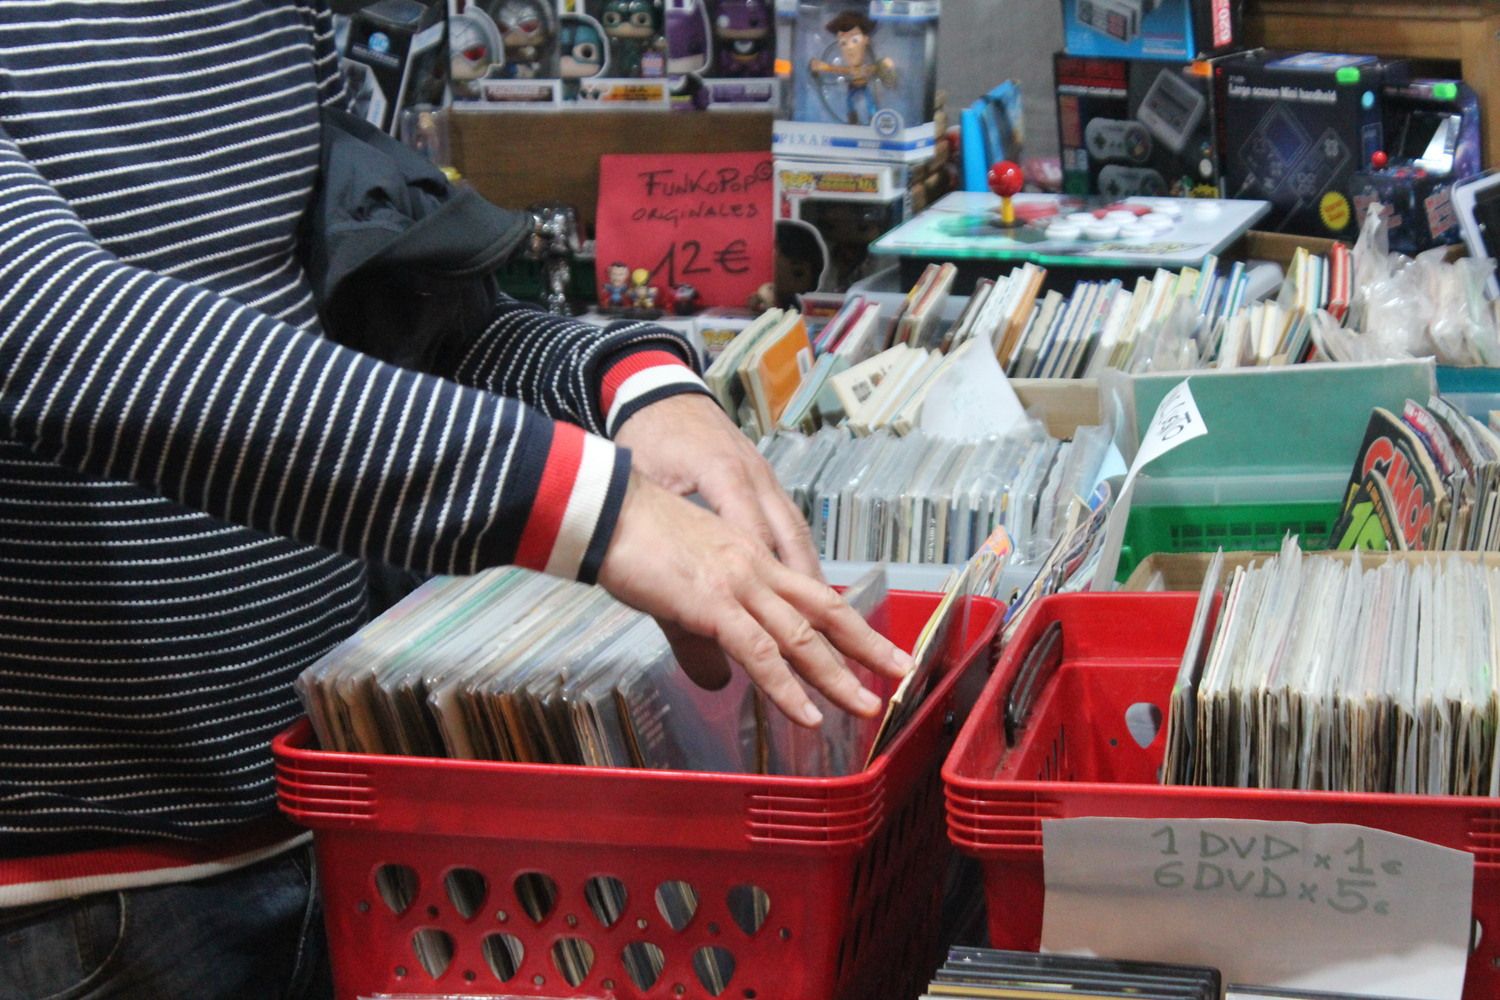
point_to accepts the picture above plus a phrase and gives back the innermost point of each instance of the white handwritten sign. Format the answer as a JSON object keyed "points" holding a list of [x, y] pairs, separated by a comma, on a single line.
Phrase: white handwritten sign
{"points": [[1176, 422], [1298, 905]]}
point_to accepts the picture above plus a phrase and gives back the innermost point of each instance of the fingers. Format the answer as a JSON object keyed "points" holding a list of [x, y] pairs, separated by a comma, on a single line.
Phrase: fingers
{"points": [[734, 498], [759, 655], [810, 655], [828, 613], [794, 544]]}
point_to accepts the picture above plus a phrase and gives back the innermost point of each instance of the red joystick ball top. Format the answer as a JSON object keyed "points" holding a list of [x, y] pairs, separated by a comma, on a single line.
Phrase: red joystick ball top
{"points": [[1379, 160], [1006, 179]]}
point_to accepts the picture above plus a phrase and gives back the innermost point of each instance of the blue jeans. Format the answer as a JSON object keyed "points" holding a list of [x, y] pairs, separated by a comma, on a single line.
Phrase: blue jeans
{"points": [[252, 934], [860, 99]]}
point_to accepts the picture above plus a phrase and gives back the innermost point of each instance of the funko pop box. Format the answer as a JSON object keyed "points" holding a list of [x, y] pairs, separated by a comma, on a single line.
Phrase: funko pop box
{"points": [[394, 57], [684, 54], [1294, 129], [827, 214], [863, 80], [1177, 30], [1137, 127]]}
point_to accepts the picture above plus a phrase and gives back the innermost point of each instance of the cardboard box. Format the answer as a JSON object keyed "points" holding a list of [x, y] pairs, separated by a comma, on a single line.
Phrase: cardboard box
{"points": [[1152, 29], [1294, 129], [1137, 127]]}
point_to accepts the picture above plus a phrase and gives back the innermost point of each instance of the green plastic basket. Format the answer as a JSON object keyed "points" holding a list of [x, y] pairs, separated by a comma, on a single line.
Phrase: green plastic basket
{"points": [[1245, 527]]}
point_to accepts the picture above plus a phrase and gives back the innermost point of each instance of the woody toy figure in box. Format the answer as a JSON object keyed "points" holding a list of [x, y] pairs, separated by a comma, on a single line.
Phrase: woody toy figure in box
{"points": [[857, 64]]}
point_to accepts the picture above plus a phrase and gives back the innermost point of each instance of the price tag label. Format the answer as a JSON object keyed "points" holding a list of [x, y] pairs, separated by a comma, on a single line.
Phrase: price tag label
{"points": [[703, 220], [1298, 905]]}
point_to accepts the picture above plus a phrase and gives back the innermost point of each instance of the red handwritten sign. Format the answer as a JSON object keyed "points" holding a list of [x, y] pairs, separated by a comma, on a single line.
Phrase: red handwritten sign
{"points": [[700, 219]]}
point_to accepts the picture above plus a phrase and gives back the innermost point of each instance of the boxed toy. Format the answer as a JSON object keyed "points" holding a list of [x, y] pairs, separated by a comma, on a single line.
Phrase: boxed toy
{"points": [[1294, 129], [1151, 29], [393, 57], [863, 79], [1431, 144], [690, 54], [827, 215], [721, 54], [1136, 127]]}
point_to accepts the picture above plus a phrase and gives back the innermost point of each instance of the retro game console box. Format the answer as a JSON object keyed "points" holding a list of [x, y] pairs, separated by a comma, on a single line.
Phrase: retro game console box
{"points": [[1432, 143], [1137, 127], [1294, 129], [1151, 29]]}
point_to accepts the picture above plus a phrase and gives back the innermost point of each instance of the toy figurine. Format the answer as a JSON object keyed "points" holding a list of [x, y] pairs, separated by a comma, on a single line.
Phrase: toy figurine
{"points": [[742, 36], [554, 241], [858, 66], [642, 293], [581, 50], [687, 37], [526, 27], [615, 292], [684, 300], [474, 44], [634, 27]]}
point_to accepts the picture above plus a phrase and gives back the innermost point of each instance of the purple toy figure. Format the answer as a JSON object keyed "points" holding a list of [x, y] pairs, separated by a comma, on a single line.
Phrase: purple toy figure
{"points": [[687, 37], [742, 38]]}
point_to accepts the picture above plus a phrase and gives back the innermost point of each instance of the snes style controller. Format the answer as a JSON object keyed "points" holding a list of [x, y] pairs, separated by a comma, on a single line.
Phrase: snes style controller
{"points": [[1110, 139], [1125, 182]]}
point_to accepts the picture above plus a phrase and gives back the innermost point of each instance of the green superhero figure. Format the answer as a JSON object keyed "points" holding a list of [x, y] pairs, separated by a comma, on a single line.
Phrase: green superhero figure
{"points": [[637, 47]]}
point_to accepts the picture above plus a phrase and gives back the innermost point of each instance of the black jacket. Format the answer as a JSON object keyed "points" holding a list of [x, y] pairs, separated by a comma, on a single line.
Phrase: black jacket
{"points": [[400, 259]]}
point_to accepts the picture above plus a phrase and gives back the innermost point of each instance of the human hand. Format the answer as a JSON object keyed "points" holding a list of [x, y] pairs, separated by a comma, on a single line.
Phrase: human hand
{"points": [[691, 571], [687, 445]]}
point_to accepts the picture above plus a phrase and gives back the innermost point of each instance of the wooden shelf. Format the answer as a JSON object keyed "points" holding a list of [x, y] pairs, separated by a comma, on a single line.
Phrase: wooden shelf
{"points": [[1466, 32]]}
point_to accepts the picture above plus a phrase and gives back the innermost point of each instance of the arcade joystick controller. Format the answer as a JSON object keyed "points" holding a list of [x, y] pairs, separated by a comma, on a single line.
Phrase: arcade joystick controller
{"points": [[1006, 180], [1379, 159]]}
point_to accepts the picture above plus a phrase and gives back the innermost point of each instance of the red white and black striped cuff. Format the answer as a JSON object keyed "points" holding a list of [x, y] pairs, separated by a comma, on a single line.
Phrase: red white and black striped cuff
{"points": [[577, 502], [642, 378]]}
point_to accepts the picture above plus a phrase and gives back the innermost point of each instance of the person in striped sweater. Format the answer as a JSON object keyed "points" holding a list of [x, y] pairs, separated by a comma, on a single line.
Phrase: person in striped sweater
{"points": [[192, 481]]}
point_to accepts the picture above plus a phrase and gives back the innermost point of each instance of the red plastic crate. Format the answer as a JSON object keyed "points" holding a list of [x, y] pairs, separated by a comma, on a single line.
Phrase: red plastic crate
{"points": [[1074, 756], [852, 868]]}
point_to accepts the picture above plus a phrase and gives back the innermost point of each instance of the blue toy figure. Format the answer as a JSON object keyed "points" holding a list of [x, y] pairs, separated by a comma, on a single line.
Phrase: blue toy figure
{"points": [[857, 65], [581, 52]]}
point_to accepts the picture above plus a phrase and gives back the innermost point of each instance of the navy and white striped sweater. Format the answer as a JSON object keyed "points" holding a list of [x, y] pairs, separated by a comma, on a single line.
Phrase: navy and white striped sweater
{"points": [[189, 474]]}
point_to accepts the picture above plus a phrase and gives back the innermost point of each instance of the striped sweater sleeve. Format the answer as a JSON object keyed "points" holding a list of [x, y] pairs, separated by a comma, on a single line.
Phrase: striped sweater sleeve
{"points": [[126, 374], [572, 370]]}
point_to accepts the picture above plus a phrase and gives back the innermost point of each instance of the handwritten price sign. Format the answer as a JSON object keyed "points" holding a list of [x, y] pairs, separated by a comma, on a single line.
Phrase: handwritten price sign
{"points": [[697, 219], [1297, 905]]}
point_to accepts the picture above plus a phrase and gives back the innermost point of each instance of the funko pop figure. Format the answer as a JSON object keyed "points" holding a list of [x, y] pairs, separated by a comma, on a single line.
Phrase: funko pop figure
{"points": [[581, 52], [857, 65], [687, 37], [742, 33], [636, 44], [615, 292], [474, 44], [526, 30]]}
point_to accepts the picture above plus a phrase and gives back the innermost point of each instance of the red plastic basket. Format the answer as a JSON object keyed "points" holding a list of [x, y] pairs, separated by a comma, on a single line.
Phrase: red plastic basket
{"points": [[848, 871], [1074, 756]]}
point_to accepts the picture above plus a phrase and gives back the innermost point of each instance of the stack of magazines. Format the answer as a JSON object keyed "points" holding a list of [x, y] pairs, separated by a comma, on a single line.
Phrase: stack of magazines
{"points": [[511, 665], [916, 499], [1326, 673]]}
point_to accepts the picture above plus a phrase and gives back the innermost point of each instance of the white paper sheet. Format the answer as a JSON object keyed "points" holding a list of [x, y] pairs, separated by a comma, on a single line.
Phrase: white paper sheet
{"points": [[1177, 421], [1309, 906], [972, 399]]}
